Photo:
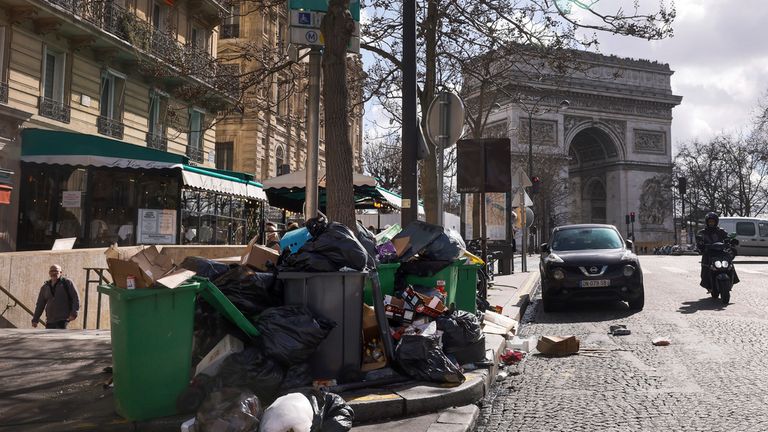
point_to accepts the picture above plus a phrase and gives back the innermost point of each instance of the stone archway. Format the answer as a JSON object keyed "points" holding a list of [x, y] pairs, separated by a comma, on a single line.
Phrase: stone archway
{"points": [[592, 147]]}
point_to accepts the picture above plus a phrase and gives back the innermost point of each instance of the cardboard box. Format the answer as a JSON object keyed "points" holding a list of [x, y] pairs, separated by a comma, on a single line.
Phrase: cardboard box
{"points": [[147, 266], [212, 361], [371, 333], [257, 256], [397, 309], [558, 345]]}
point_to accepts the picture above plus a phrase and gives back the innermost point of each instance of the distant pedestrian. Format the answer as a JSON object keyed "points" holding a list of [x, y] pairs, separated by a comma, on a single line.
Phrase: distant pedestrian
{"points": [[59, 298], [292, 226], [273, 238]]}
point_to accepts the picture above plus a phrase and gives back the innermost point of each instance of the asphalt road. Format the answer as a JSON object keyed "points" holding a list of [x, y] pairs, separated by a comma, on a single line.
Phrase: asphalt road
{"points": [[713, 376]]}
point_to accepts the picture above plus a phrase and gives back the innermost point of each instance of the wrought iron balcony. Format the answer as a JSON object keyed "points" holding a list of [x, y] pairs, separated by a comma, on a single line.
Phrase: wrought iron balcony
{"points": [[195, 154], [229, 31], [157, 141], [52, 109], [110, 127], [3, 92]]}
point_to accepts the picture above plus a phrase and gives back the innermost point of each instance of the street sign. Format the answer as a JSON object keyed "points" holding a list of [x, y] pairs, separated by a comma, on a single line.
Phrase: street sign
{"points": [[520, 174], [322, 6], [528, 217], [305, 30], [483, 165], [516, 198], [306, 36], [302, 18], [449, 106]]}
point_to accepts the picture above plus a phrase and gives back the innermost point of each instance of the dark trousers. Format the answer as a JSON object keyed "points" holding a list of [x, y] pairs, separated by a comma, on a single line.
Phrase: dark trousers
{"points": [[56, 324]]}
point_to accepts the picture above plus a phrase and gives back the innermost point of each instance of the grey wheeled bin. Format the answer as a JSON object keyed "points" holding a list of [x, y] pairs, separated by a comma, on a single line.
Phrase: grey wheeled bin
{"points": [[337, 296]]}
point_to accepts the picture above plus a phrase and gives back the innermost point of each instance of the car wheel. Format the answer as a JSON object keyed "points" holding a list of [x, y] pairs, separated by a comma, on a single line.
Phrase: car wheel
{"points": [[638, 303], [547, 302]]}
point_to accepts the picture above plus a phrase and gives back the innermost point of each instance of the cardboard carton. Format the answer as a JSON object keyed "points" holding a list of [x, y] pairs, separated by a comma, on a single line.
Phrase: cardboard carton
{"points": [[257, 256], [147, 266], [371, 341], [212, 361], [558, 345]]}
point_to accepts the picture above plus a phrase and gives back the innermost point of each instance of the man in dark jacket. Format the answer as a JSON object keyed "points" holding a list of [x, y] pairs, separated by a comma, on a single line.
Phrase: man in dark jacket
{"points": [[712, 233], [59, 298]]}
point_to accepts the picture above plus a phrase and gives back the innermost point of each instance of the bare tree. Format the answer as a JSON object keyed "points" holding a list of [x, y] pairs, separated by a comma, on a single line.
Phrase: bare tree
{"points": [[382, 159]]}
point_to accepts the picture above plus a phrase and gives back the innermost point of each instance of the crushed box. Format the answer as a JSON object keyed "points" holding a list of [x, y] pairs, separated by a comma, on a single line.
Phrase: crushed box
{"points": [[558, 345], [258, 256], [147, 266]]}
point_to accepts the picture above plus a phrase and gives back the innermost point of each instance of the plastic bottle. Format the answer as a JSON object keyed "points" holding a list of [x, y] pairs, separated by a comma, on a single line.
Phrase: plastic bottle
{"points": [[440, 287]]}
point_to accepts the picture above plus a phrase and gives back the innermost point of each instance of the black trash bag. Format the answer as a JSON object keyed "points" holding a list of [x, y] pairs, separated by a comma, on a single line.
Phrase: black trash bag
{"points": [[448, 246], [332, 413], [316, 225], [210, 327], [291, 334], [368, 241], [296, 376], [330, 250], [421, 358], [419, 235], [250, 291], [253, 370], [196, 392], [422, 268], [460, 329], [229, 410], [472, 353], [204, 267]]}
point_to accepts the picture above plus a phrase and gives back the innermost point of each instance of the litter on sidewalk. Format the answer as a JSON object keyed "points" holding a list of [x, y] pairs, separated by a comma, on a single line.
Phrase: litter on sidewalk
{"points": [[661, 341], [558, 345], [619, 330]]}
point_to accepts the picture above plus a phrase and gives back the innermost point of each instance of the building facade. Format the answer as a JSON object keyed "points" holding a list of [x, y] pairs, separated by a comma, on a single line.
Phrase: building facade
{"points": [[269, 137], [111, 76]]}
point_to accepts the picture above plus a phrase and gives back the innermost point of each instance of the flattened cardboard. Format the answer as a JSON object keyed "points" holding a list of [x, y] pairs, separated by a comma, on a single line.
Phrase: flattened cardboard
{"points": [[558, 345], [211, 362], [257, 256], [148, 266]]}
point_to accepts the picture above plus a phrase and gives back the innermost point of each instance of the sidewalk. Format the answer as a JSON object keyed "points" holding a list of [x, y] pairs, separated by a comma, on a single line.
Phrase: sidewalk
{"points": [[52, 380]]}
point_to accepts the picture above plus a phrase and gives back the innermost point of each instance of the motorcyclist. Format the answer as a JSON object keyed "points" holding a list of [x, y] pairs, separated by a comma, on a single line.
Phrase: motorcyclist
{"points": [[712, 233]]}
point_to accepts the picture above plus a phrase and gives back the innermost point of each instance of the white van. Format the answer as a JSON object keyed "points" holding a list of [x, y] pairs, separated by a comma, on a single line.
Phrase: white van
{"points": [[752, 234]]}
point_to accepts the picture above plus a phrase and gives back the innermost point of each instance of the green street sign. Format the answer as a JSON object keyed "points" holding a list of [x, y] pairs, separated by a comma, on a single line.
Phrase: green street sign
{"points": [[322, 6]]}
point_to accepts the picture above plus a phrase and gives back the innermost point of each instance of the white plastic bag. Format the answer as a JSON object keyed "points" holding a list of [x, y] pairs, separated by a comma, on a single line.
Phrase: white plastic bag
{"points": [[291, 412]]}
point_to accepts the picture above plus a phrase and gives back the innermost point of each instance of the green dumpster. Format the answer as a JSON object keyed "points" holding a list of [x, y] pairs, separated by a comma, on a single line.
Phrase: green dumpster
{"points": [[465, 295], [386, 280], [448, 274], [151, 346]]}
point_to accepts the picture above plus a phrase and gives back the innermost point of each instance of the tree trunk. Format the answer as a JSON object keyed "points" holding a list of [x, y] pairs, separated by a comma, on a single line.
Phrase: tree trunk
{"points": [[429, 168], [337, 28]]}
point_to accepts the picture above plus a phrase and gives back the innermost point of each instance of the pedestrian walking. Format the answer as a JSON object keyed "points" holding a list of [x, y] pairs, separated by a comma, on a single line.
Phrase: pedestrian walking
{"points": [[59, 298]]}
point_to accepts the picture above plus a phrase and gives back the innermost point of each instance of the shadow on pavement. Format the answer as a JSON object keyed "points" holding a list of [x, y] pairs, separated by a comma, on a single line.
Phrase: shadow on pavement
{"points": [[703, 304], [585, 311]]}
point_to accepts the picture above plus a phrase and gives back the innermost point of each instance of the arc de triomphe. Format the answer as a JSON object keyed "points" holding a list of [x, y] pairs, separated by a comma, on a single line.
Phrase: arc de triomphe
{"points": [[614, 141]]}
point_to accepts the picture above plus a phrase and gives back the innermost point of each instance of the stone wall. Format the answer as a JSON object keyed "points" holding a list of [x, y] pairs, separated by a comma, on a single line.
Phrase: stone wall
{"points": [[23, 273]]}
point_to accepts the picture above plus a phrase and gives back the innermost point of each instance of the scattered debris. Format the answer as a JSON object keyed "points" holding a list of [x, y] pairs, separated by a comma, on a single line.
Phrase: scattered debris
{"points": [[661, 341], [558, 345], [619, 330], [511, 357]]}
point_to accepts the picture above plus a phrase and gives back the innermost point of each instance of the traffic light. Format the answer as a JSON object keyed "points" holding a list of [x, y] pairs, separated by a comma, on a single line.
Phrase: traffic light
{"points": [[632, 217], [535, 184], [682, 184]]}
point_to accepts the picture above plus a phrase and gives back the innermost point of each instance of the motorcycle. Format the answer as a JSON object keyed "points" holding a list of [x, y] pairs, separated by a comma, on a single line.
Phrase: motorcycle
{"points": [[721, 270]]}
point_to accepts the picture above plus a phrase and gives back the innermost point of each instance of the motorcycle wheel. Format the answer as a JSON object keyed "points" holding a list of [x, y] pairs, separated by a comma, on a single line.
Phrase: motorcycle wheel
{"points": [[713, 292], [725, 297]]}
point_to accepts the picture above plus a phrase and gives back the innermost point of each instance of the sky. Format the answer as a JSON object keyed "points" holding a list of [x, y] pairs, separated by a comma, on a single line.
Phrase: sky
{"points": [[720, 59], [719, 56]]}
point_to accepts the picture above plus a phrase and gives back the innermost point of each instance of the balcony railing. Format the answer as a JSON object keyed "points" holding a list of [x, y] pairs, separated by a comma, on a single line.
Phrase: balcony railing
{"points": [[195, 154], [52, 109], [112, 18], [110, 127], [4, 92], [157, 141], [229, 31]]}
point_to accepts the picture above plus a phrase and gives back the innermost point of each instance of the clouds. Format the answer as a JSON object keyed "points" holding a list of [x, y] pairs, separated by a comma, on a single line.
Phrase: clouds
{"points": [[720, 62]]}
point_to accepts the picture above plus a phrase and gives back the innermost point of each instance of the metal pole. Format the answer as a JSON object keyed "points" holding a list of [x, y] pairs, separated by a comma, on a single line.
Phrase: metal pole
{"points": [[311, 203], [524, 224], [410, 120], [445, 106], [530, 146]]}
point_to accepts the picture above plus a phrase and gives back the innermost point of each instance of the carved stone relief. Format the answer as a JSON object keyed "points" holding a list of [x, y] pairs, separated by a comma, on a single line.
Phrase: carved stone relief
{"points": [[656, 200], [650, 142], [496, 130], [544, 132]]}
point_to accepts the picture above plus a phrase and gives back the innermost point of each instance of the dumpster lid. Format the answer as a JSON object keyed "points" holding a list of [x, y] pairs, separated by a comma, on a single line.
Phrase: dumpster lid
{"points": [[213, 295]]}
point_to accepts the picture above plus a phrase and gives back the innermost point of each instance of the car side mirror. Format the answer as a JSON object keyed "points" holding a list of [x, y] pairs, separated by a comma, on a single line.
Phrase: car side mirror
{"points": [[544, 248], [735, 242], [630, 244]]}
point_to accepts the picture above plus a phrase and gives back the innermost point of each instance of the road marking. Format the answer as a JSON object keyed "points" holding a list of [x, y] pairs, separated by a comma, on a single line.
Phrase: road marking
{"points": [[675, 270]]}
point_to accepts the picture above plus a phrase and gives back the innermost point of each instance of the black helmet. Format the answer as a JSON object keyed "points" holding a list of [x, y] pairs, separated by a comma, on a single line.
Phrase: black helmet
{"points": [[711, 215]]}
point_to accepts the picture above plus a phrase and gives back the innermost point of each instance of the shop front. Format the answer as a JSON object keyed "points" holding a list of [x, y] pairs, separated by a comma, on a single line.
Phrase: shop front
{"points": [[102, 191]]}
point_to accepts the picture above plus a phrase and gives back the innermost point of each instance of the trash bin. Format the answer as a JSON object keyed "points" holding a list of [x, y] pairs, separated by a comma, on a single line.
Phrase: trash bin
{"points": [[151, 347], [448, 274], [465, 294], [336, 296], [386, 281]]}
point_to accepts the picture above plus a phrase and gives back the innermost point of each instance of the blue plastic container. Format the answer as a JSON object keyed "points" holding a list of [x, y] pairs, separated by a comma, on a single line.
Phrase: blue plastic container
{"points": [[295, 239]]}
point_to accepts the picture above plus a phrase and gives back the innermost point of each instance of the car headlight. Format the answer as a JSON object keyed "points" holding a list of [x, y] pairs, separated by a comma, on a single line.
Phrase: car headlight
{"points": [[552, 258], [725, 264], [558, 274], [629, 270], [718, 264]]}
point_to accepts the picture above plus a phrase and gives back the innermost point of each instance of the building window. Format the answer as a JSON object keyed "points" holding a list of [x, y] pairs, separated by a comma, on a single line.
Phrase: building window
{"points": [[52, 101], [225, 155], [231, 26], [159, 17], [199, 38], [279, 161], [158, 110], [195, 137], [111, 104], [280, 37]]}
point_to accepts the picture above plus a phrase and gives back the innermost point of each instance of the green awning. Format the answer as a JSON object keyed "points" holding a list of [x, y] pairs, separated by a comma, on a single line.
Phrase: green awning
{"points": [[69, 148]]}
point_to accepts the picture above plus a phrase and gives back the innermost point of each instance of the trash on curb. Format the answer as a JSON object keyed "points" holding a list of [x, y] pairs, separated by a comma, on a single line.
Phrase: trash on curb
{"points": [[619, 330], [661, 341], [521, 344], [511, 357], [558, 345], [229, 410]]}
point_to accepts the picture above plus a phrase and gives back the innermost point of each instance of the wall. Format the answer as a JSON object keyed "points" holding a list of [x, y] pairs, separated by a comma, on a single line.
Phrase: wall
{"points": [[23, 273]]}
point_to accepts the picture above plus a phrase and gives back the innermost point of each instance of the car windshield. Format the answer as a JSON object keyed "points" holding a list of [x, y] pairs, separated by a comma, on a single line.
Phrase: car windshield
{"points": [[586, 238]]}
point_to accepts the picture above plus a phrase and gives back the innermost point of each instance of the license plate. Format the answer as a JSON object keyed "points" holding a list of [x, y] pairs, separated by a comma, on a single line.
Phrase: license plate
{"points": [[595, 283]]}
